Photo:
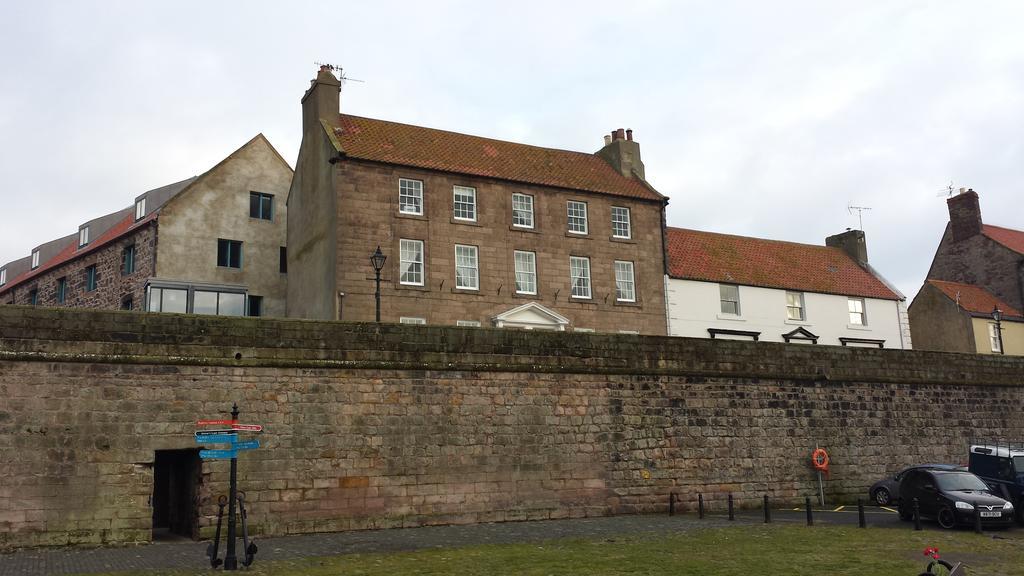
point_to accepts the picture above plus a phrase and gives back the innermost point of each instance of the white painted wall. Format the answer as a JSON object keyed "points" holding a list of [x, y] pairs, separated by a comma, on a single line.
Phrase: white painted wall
{"points": [[694, 306]]}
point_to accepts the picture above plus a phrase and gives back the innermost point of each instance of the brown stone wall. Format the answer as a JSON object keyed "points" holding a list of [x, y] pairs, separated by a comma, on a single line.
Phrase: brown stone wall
{"points": [[983, 262], [111, 285], [371, 426], [368, 215], [937, 323]]}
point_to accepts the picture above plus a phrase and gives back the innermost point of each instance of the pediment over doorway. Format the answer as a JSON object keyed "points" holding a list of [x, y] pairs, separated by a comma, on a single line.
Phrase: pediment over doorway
{"points": [[531, 316]]}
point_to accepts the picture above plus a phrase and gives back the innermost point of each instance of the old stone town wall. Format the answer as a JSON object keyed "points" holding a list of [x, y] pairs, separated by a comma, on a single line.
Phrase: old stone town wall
{"points": [[372, 426]]}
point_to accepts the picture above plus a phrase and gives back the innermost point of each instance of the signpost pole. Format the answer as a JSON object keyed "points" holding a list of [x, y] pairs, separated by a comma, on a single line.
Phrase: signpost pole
{"points": [[231, 558]]}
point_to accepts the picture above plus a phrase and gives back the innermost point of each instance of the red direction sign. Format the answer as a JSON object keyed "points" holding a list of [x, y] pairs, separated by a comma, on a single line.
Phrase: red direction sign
{"points": [[215, 422], [247, 427]]}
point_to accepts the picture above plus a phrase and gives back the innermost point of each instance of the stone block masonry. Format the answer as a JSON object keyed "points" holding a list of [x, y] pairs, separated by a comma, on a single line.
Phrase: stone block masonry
{"points": [[373, 426]]}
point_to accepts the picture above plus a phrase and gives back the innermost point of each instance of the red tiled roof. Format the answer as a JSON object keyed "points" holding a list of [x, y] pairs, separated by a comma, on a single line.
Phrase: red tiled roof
{"points": [[407, 145], [1012, 239], [71, 251], [974, 299], [710, 257]]}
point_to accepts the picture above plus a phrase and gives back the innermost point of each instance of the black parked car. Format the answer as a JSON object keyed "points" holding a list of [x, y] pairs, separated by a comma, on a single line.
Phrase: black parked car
{"points": [[950, 498], [1002, 468], [887, 490]]}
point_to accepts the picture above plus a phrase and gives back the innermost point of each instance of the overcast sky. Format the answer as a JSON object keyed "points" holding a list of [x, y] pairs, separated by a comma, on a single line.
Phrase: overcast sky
{"points": [[757, 118]]}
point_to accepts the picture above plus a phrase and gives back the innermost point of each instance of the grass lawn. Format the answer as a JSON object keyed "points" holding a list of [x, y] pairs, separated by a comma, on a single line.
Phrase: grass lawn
{"points": [[789, 550]]}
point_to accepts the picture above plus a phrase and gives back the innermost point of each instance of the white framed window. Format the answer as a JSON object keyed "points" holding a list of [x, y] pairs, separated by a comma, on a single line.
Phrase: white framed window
{"points": [[3, 276], [410, 196], [621, 227], [795, 306], [35, 259], [857, 315], [464, 207], [577, 212], [83, 236], [140, 208], [411, 320], [993, 338], [411, 262], [582, 329], [468, 323], [625, 288], [526, 272], [729, 294], [522, 210], [467, 273], [579, 275]]}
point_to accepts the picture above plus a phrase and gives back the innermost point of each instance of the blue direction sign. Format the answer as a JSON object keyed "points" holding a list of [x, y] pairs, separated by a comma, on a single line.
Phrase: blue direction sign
{"points": [[216, 438], [218, 454], [247, 445]]}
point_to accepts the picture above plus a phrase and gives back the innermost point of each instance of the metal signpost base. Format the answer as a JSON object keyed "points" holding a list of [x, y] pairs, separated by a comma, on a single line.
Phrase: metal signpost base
{"points": [[231, 558]]}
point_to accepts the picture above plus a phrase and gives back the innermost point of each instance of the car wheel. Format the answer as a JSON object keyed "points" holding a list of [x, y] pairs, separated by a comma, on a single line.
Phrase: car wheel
{"points": [[882, 497], [946, 518]]}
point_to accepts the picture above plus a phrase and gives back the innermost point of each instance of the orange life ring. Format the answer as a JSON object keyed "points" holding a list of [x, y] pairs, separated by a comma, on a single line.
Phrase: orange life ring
{"points": [[819, 459]]}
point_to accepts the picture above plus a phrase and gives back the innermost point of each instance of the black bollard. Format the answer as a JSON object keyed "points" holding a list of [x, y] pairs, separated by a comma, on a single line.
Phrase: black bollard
{"points": [[767, 511], [861, 520], [671, 503], [700, 506], [810, 515], [917, 515], [977, 520], [731, 515]]}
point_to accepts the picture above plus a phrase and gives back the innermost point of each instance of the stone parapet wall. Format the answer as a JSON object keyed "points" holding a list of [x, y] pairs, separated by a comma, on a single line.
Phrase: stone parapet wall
{"points": [[371, 426]]}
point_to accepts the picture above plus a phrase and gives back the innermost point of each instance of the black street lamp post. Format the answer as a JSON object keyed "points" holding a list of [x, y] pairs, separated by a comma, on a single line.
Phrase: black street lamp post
{"points": [[377, 261], [997, 315]]}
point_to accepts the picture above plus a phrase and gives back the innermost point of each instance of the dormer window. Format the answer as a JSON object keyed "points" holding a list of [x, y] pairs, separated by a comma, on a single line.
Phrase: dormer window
{"points": [[35, 259], [3, 276], [83, 236], [140, 209]]}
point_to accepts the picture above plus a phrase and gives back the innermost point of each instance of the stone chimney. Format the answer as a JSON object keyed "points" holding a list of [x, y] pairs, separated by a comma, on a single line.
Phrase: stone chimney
{"points": [[321, 101], [852, 242], [622, 153], [964, 215]]}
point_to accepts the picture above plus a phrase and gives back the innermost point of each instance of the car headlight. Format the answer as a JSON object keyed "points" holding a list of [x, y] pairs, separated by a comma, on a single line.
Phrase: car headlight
{"points": [[964, 506], [1007, 506]]}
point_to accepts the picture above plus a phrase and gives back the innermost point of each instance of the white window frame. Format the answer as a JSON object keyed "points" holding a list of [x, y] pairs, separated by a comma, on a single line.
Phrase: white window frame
{"points": [[723, 298], [412, 320], [622, 267], [3, 276], [857, 306], [579, 269], [83, 236], [576, 218], [530, 274], [993, 338], [797, 297], [140, 209], [468, 323], [410, 188], [411, 266], [617, 224], [466, 206], [35, 259], [524, 199], [468, 262]]}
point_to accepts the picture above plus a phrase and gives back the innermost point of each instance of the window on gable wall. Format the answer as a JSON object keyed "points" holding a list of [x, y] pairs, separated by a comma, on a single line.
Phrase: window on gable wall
{"points": [[229, 253], [795, 305], [410, 196], [261, 206], [857, 316], [729, 294]]}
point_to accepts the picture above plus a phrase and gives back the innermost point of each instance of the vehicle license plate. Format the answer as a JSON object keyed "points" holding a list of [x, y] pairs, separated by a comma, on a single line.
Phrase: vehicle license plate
{"points": [[991, 514]]}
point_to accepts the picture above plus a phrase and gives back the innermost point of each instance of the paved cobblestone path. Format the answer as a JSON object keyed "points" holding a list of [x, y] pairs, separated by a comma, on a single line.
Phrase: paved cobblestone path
{"points": [[171, 555]]}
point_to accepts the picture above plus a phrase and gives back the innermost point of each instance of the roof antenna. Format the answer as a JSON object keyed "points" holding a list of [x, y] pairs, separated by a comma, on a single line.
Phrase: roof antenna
{"points": [[948, 192], [337, 70], [860, 213]]}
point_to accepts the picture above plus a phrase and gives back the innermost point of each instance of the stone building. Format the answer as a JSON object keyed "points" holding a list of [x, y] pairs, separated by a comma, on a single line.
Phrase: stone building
{"points": [[476, 231], [977, 269], [211, 244], [735, 287]]}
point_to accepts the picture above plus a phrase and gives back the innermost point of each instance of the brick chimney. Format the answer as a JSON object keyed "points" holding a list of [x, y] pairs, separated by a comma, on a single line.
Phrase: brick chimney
{"points": [[622, 153], [964, 215], [852, 242], [321, 101]]}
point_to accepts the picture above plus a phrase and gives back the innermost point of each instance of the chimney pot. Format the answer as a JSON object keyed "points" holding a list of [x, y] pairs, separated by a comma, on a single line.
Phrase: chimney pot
{"points": [[607, 139], [620, 134], [629, 134], [962, 190]]}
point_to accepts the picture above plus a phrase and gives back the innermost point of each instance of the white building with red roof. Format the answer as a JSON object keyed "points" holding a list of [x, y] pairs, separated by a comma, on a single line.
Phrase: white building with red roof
{"points": [[737, 287]]}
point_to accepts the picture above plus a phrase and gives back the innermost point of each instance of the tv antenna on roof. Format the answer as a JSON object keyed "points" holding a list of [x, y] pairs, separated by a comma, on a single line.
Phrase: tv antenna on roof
{"points": [[948, 192], [337, 70], [860, 213]]}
